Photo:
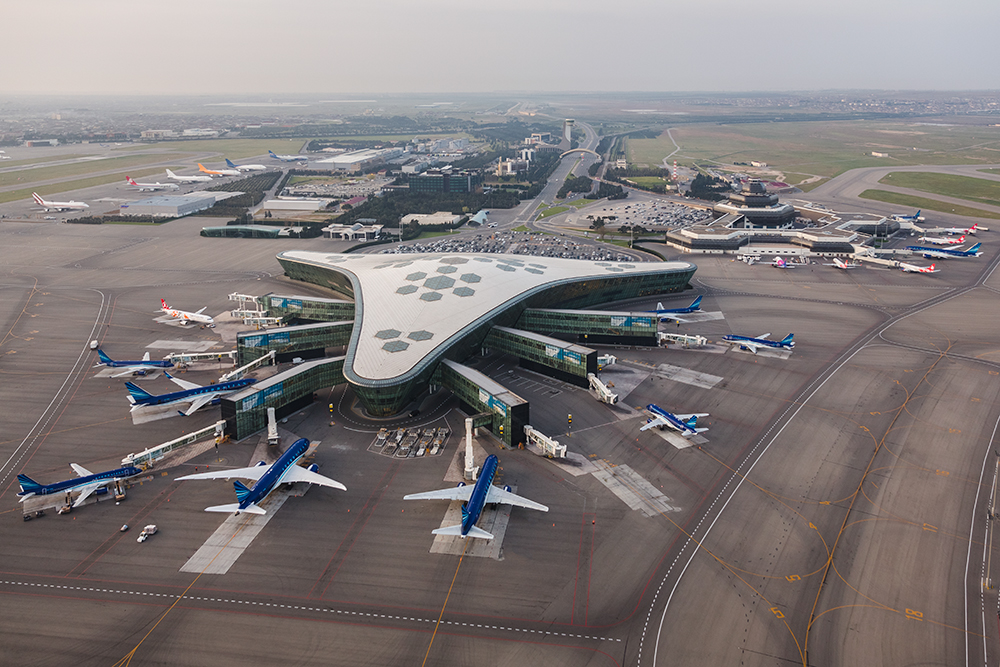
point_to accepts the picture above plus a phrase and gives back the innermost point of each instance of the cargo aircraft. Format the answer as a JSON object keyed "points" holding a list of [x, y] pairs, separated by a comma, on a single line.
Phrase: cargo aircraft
{"points": [[151, 187], [58, 205], [288, 158], [246, 167], [188, 179], [218, 172]]}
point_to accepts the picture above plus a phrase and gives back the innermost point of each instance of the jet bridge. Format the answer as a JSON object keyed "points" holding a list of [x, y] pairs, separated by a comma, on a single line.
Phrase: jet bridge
{"points": [[506, 413]]}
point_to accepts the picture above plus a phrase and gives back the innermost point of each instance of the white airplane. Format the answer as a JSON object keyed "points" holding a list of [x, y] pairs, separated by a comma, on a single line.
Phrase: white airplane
{"points": [[151, 186], [218, 172], [4, 156], [288, 158], [841, 264], [779, 263], [58, 205], [187, 179], [913, 268], [943, 240], [185, 316], [960, 230], [246, 167]]}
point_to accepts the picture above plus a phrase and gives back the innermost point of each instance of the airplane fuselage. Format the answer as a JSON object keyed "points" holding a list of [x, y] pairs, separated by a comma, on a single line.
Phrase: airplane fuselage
{"points": [[763, 342], [272, 478], [674, 422], [187, 394], [110, 476], [945, 253], [478, 498]]}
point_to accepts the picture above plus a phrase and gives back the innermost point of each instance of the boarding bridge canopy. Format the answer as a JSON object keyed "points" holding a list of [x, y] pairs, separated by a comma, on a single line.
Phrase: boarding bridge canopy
{"points": [[593, 325], [565, 361], [483, 394], [288, 342], [314, 308]]}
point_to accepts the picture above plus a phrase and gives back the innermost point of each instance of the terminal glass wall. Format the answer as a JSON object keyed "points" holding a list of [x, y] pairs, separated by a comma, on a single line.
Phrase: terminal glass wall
{"points": [[246, 412], [510, 413], [308, 308], [288, 342], [326, 276], [547, 355], [627, 326], [581, 294]]}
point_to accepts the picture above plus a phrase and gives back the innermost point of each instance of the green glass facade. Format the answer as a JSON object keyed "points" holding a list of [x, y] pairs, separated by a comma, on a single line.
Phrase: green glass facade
{"points": [[290, 342], [547, 355], [311, 308], [245, 412], [601, 326], [482, 394]]}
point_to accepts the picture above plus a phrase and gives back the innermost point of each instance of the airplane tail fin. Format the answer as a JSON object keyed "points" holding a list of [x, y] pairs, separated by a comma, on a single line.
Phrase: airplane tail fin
{"points": [[38, 200], [691, 423], [28, 485], [456, 531], [105, 359], [235, 507], [171, 174], [659, 306], [164, 304], [271, 153], [975, 248], [137, 392], [201, 167], [229, 163], [932, 267], [241, 490], [696, 303], [787, 339]]}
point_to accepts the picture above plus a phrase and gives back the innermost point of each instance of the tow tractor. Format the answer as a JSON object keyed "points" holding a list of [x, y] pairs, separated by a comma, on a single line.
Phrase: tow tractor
{"points": [[146, 532]]}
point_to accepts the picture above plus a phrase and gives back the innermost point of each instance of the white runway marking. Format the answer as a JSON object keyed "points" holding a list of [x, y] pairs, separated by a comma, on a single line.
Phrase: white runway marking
{"points": [[633, 489], [687, 376]]}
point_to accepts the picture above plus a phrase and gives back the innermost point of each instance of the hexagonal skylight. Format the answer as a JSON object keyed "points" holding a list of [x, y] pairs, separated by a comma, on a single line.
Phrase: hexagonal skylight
{"points": [[535, 271], [464, 291], [439, 282], [485, 260], [420, 335], [430, 296], [446, 269], [506, 267], [470, 278], [388, 333], [419, 275], [395, 346], [406, 289], [454, 260]]}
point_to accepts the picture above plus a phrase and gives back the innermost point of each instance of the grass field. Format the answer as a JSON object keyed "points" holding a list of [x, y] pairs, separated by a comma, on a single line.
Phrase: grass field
{"points": [[41, 159], [124, 162], [69, 186], [928, 204], [554, 210], [522, 228], [990, 171], [823, 148], [580, 203], [647, 181], [234, 149], [964, 187]]}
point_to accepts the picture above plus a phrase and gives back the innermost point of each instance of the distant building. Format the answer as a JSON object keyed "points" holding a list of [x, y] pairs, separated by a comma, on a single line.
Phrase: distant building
{"points": [[527, 154], [876, 154], [34, 143], [568, 130], [168, 206], [439, 218], [362, 159], [539, 138], [757, 206], [362, 229], [156, 135], [754, 163], [444, 180]]}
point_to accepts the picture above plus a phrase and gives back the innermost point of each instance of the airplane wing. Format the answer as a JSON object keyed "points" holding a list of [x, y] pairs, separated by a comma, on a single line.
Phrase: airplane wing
{"points": [[498, 495], [300, 474], [183, 384], [657, 421], [684, 418], [87, 491], [127, 371], [750, 346], [254, 473], [80, 470], [672, 318], [455, 493], [199, 312], [198, 403], [145, 357], [762, 336]]}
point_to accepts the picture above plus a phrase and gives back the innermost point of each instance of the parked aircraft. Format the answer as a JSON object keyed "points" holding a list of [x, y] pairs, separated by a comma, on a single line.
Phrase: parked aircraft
{"points": [[916, 217], [58, 205], [195, 394], [188, 179], [943, 240], [670, 314], [268, 478], [152, 187], [129, 367], [288, 158], [962, 230], [685, 424], [780, 263], [218, 172], [842, 264], [475, 498], [753, 344], [185, 316], [946, 253], [246, 167], [86, 483], [913, 268]]}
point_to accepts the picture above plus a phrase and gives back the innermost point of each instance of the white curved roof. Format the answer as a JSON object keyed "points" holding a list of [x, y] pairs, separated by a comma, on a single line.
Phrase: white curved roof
{"points": [[409, 305]]}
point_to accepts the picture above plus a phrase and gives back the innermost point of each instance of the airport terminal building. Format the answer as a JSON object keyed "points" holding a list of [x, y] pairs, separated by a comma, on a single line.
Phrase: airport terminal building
{"points": [[414, 312]]}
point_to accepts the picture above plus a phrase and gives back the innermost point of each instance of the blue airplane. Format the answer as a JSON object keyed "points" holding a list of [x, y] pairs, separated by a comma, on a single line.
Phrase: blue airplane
{"points": [[669, 313], [86, 483], [685, 424], [246, 167], [195, 394], [753, 344], [129, 367], [916, 217], [288, 158], [946, 253], [475, 498], [282, 471]]}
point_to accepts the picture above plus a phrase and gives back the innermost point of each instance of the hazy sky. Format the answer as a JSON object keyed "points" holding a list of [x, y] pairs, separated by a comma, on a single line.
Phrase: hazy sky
{"points": [[324, 46]]}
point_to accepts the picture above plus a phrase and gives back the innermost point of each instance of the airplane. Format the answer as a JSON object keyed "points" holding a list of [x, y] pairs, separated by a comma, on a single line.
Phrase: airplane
{"points": [[942, 240], [268, 478], [288, 158], [916, 217], [753, 344], [946, 253], [841, 264], [151, 186], [475, 498], [195, 394], [685, 424], [58, 205], [779, 263], [666, 314], [86, 483], [218, 172], [131, 366], [913, 268], [185, 316], [188, 179], [246, 167], [960, 230]]}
